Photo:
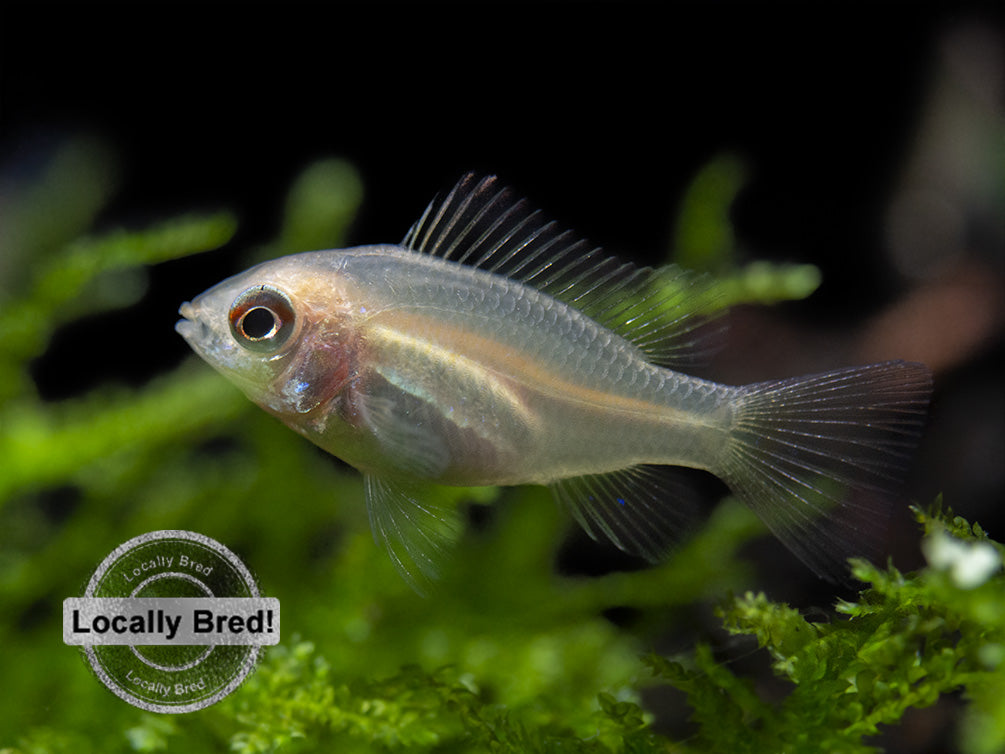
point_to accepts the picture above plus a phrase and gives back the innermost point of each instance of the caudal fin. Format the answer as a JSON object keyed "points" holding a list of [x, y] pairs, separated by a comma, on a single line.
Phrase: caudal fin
{"points": [[818, 458]]}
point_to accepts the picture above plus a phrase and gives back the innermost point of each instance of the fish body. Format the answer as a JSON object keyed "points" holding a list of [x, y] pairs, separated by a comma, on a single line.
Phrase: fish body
{"points": [[492, 349]]}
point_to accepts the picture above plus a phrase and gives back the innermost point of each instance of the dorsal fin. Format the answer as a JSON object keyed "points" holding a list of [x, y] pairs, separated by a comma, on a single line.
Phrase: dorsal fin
{"points": [[482, 224]]}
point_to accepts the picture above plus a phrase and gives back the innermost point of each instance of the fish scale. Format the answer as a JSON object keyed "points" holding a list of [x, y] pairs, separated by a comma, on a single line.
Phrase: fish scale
{"points": [[560, 374]]}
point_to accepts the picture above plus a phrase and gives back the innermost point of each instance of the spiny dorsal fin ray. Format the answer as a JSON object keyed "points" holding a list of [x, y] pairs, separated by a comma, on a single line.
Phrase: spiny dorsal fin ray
{"points": [[482, 224]]}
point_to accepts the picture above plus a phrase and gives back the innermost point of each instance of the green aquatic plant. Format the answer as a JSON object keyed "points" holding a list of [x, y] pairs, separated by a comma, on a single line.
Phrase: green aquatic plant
{"points": [[908, 640], [510, 654]]}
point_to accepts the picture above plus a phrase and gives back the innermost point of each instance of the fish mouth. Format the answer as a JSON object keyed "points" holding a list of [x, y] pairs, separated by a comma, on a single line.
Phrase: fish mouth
{"points": [[191, 328]]}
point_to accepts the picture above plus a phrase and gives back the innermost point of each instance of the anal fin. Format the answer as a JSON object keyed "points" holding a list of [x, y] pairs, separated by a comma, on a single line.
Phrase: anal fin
{"points": [[643, 509]]}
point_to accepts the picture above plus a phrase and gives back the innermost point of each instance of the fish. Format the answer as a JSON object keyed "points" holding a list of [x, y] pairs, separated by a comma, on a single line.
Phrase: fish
{"points": [[492, 347]]}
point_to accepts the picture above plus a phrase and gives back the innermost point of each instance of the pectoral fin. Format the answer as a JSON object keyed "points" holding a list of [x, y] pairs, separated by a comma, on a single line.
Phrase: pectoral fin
{"points": [[416, 531], [398, 426]]}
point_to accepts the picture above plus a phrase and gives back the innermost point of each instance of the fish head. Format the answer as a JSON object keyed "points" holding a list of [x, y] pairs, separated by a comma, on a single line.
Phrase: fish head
{"points": [[278, 331]]}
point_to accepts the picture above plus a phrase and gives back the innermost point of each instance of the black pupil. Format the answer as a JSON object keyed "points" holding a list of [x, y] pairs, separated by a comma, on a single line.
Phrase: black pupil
{"points": [[258, 323]]}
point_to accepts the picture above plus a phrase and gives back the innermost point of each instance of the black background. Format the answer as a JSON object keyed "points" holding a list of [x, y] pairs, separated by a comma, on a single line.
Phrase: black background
{"points": [[601, 113]]}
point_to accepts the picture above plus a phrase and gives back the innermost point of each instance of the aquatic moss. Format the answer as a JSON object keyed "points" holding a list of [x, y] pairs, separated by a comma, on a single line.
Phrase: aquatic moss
{"points": [[907, 641]]}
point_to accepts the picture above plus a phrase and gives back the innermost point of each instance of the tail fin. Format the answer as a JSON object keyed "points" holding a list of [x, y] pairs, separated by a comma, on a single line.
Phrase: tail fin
{"points": [[818, 457]]}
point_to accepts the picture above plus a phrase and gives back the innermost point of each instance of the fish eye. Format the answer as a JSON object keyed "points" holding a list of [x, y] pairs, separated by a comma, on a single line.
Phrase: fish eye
{"points": [[262, 319]]}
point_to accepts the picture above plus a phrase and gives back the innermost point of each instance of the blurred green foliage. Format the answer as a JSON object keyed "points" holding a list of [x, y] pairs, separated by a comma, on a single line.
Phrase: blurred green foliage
{"points": [[703, 241], [508, 655]]}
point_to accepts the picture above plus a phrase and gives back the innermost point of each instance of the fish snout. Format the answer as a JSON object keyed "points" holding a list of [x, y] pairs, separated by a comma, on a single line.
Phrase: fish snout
{"points": [[191, 327]]}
